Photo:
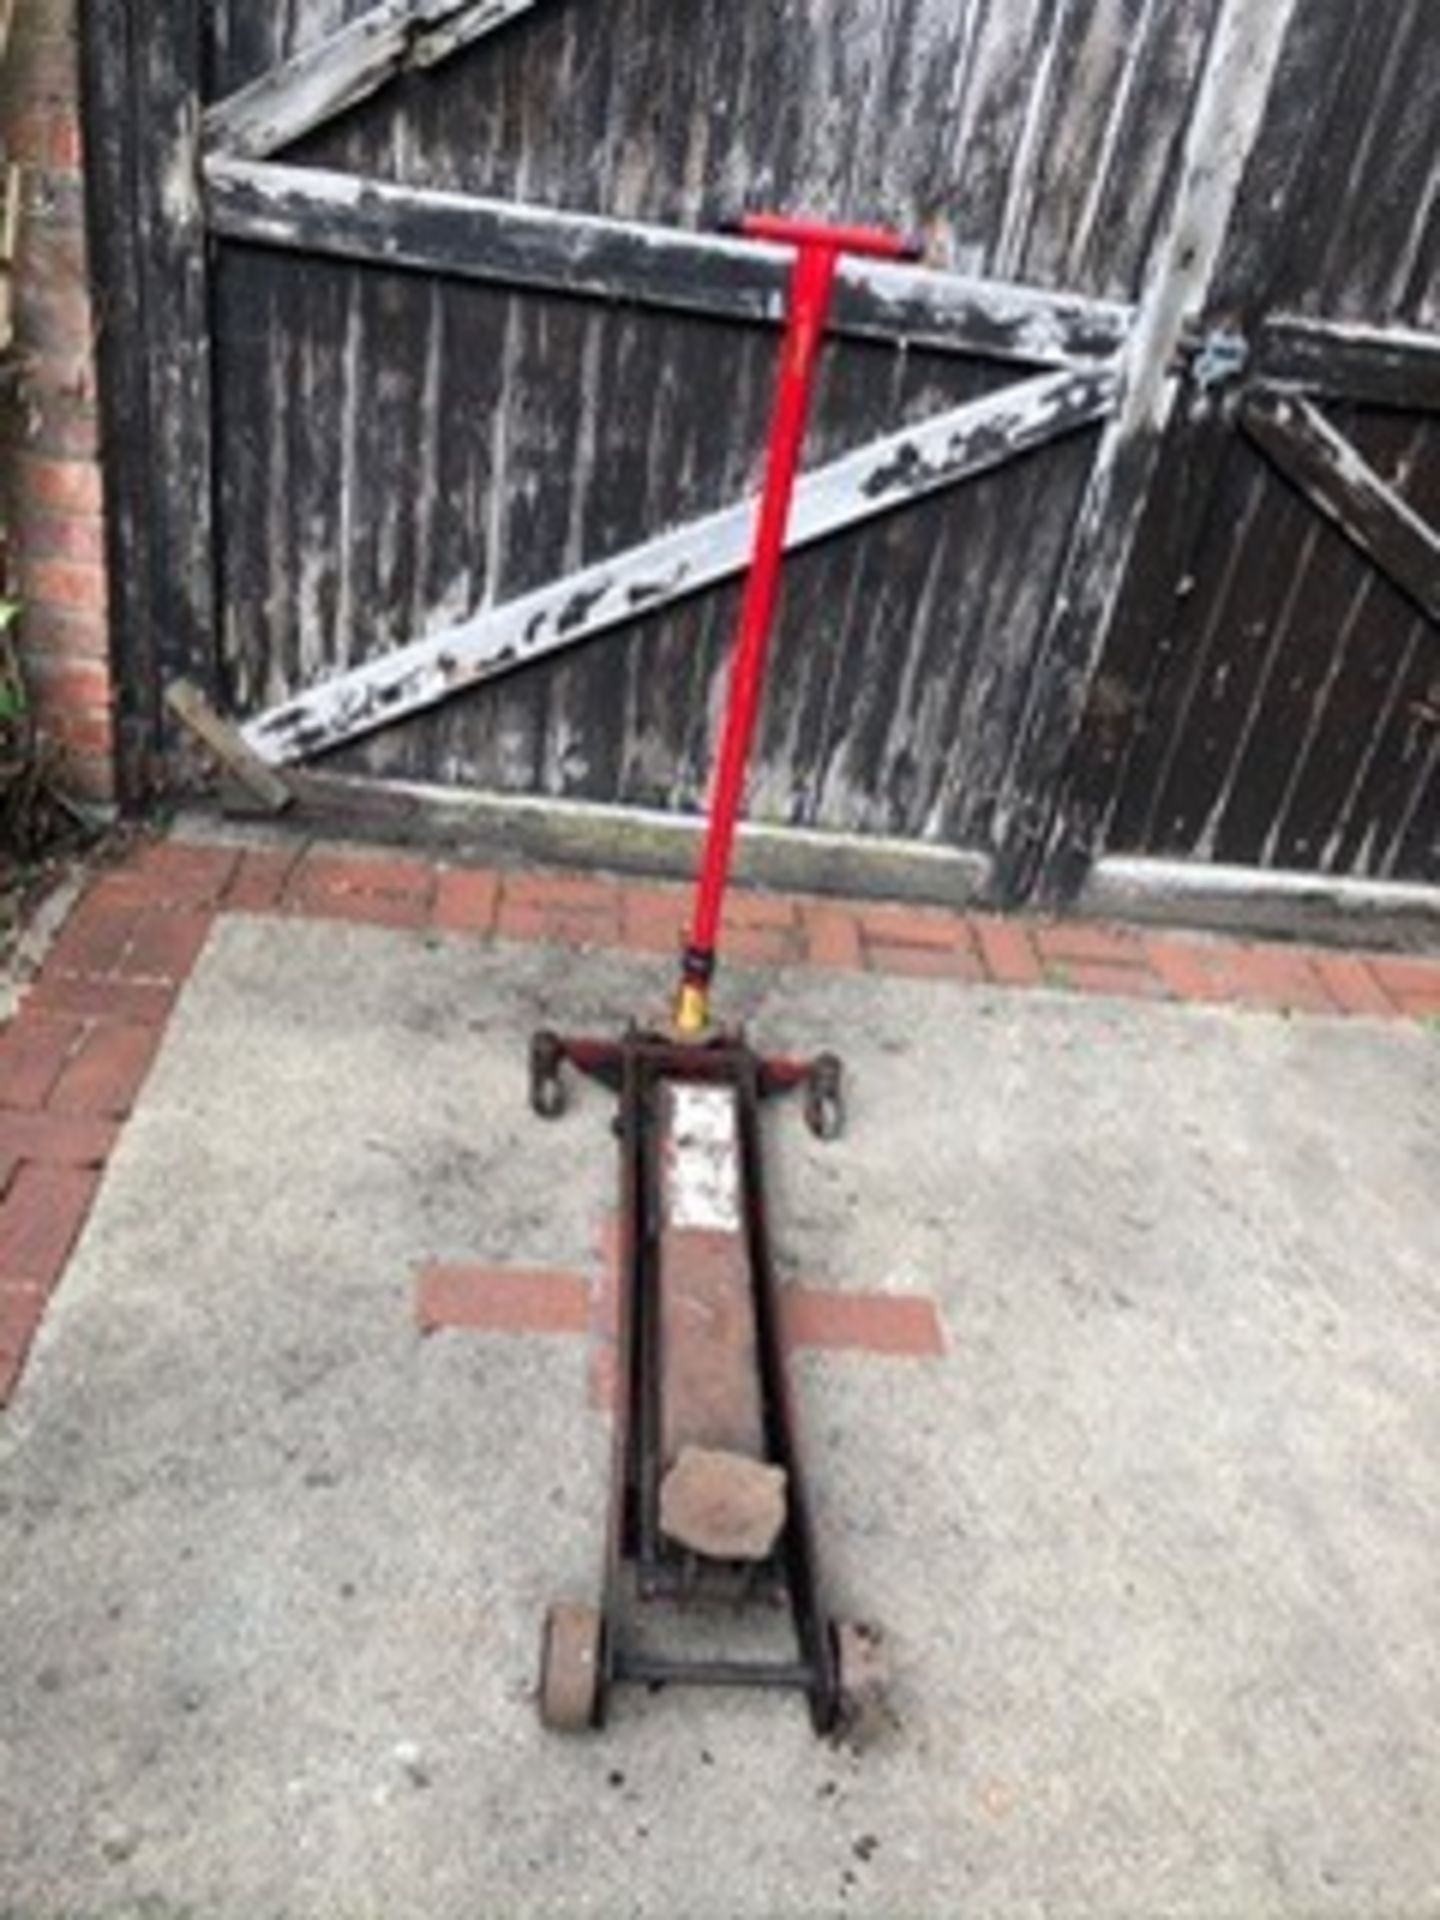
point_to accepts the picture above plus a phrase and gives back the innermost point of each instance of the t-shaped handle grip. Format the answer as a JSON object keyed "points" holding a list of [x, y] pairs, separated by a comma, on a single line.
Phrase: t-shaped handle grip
{"points": [[878, 242]]}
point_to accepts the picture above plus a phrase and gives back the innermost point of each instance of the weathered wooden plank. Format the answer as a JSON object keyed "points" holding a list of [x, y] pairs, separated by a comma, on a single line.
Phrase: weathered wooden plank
{"points": [[1216, 660], [876, 479], [1169, 695], [348, 66], [1314, 906], [315, 210], [1382, 211], [1376, 366], [176, 306], [1293, 756], [1380, 649], [260, 780], [467, 25], [1336, 477], [141, 77], [116, 266], [10, 184], [1227, 119], [1287, 686]]}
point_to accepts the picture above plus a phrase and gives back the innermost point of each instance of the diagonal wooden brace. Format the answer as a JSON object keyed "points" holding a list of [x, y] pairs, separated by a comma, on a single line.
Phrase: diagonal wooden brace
{"points": [[886, 474], [1336, 477], [346, 67]]}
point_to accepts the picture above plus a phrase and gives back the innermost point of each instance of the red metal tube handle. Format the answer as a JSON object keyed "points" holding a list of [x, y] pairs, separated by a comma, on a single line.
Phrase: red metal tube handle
{"points": [[812, 282], [797, 231]]}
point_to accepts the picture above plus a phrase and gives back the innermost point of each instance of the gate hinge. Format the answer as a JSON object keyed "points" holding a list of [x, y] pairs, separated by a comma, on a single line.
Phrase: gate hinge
{"points": [[1216, 359]]}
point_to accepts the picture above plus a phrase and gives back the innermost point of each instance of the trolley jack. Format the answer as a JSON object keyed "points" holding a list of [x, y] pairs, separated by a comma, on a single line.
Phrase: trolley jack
{"points": [[707, 1499]]}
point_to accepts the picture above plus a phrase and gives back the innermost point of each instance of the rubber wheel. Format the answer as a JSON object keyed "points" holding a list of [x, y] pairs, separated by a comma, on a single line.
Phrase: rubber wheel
{"points": [[825, 1098], [862, 1673], [570, 1668], [547, 1089]]}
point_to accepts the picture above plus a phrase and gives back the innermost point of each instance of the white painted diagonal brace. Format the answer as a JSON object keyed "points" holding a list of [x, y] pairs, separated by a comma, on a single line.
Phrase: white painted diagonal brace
{"points": [[875, 479], [348, 66]]}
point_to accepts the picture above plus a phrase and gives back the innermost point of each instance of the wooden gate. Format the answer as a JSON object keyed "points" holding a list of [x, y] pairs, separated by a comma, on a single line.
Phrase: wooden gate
{"points": [[1269, 694], [436, 402]]}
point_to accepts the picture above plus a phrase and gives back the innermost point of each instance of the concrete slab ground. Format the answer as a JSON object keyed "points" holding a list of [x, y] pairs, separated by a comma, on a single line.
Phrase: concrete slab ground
{"points": [[1156, 1540]]}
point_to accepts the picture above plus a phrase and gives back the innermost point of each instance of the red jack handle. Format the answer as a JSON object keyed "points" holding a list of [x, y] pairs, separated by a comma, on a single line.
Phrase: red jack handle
{"points": [[879, 242], [818, 249]]}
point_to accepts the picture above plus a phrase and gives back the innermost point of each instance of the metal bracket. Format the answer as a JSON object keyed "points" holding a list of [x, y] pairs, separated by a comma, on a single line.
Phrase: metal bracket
{"points": [[1218, 359]]}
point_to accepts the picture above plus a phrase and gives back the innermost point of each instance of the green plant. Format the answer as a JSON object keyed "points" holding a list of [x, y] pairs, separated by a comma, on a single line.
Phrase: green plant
{"points": [[34, 814]]}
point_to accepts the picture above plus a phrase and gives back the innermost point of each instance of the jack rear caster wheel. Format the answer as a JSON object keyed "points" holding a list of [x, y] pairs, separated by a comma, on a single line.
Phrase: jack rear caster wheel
{"points": [[571, 1673], [825, 1097], [547, 1089], [862, 1672]]}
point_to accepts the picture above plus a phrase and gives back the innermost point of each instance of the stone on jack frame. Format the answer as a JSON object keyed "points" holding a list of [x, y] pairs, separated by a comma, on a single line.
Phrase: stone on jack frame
{"points": [[726, 1506]]}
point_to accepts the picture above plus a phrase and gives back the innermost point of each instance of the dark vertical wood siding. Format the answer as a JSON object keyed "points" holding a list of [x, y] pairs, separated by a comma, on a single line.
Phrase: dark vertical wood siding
{"points": [[1288, 694], [396, 453], [392, 450]]}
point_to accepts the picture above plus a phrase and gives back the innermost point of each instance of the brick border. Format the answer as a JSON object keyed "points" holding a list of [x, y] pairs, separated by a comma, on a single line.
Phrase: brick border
{"points": [[73, 1059], [53, 479]]}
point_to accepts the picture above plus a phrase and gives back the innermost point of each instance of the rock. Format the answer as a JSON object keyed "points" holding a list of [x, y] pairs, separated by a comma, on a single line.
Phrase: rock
{"points": [[724, 1505], [117, 1840]]}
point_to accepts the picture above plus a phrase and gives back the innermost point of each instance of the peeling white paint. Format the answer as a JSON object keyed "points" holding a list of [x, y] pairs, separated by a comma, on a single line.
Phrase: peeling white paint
{"points": [[317, 209], [702, 1158], [347, 66], [876, 479]]}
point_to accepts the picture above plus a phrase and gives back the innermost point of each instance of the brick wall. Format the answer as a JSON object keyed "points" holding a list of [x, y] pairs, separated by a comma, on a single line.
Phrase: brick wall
{"points": [[48, 429]]}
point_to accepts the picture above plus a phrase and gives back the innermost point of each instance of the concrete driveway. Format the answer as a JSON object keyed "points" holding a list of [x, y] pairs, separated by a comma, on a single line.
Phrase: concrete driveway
{"points": [[1156, 1539]]}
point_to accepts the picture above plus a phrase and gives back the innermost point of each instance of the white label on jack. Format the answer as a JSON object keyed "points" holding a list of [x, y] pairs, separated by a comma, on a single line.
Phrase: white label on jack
{"points": [[704, 1160]]}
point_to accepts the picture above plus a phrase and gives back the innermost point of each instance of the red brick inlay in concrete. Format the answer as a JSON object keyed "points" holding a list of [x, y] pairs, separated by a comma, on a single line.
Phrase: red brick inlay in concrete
{"points": [[501, 1299], [72, 1062], [486, 1299], [902, 1325]]}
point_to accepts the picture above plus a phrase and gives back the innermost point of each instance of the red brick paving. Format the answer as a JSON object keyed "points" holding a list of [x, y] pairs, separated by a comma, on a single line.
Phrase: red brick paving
{"points": [[897, 926], [1006, 951], [1116, 979], [33, 1053], [1352, 984], [1076, 943], [39, 1219], [95, 937], [258, 883], [107, 1070], [832, 936], [501, 1299], [652, 919], [380, 892], [102, 997], [903, 1326], [569, 909], [486, 1299], [953, 962], [41, 1213], [165, 945], [178, 873], [73, 1060], [465, 901], [57, 1139], [22, 1306]]}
